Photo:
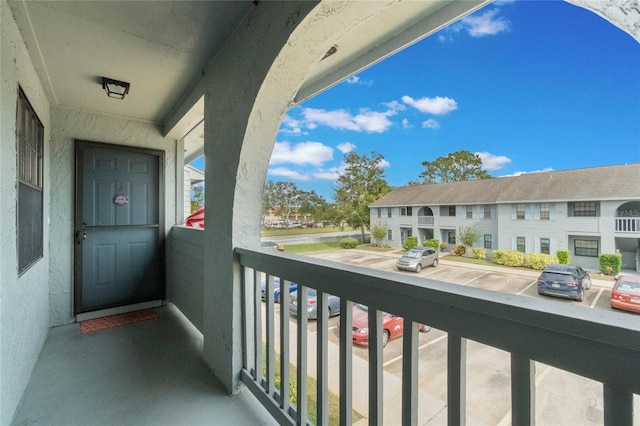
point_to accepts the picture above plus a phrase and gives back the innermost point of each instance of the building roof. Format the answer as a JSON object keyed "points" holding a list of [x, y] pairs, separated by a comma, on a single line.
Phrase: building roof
{"points": [[597, 183]]}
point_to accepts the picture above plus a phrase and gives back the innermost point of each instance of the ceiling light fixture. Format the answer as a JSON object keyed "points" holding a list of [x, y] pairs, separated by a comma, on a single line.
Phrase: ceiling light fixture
{"points": [[114, 88]]}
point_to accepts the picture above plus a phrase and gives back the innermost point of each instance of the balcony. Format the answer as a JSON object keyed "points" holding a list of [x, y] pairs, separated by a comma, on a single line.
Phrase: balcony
{"points": [[628, 225], [425, 221], [153, 372]]}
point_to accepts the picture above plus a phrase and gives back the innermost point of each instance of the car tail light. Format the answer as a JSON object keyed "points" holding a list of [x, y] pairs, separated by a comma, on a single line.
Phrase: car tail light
{"points": [[311, 302], [573, 284]]}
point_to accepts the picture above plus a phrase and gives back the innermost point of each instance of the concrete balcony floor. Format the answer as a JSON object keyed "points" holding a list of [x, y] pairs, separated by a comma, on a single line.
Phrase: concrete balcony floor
{"points": [[148, 373]]}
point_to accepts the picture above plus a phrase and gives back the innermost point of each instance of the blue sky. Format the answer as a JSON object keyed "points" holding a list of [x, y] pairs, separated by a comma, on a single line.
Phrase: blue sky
{"points": [[528, 85]]}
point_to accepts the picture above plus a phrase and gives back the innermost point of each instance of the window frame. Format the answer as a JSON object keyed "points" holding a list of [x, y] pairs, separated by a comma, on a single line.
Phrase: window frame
{"points": [[584, 209], [406, 211], [487, 211], [545, 244], [469, 211], [487, 241], [586, 251], [29, 184], [523, 245], [452, 209], [520, 211], [545, 211]]}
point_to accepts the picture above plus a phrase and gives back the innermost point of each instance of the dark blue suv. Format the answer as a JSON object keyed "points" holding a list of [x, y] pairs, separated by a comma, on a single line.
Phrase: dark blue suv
{"points": [[564, 281]]}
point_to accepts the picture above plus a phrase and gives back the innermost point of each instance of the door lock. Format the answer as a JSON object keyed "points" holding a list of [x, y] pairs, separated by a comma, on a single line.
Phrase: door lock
{"points": [[80, 237]]}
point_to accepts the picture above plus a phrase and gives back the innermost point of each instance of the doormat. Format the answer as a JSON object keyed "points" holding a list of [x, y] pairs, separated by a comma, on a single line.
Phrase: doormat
{"points": [[113, 321]]}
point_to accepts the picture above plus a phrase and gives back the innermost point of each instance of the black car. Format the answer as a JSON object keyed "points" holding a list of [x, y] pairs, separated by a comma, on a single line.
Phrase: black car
{"points": [[564, 281]]}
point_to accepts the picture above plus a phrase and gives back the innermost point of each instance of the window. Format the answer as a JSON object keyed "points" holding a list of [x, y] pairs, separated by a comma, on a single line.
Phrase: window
{"points": [[487, 241], [469, 212], [584, 208], [545, 245], [389, 211], [389, 235], [451, 237], [30, 140], [520, 211], [544, 211], [379, 212], [452, 211], [520, 244], [588, 248], [487, 211], [405, 211]]}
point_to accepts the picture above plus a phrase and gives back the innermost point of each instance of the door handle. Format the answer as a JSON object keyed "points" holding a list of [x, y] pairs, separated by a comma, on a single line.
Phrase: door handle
{"points": [[80, 237]]}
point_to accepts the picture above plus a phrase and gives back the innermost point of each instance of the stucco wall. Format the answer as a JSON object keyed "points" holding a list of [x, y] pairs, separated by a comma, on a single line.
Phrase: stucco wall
{"points": [[24, 301], [71, 124]]}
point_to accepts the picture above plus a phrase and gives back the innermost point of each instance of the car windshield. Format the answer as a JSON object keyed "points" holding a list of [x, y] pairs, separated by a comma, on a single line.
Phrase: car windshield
{"points": [[552, 276], [629, 286], [413, 254]]}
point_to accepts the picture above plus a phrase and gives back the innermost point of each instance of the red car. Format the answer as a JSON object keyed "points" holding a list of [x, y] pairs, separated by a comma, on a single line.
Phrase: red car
{"points": [[626, 293], [392, 325]]}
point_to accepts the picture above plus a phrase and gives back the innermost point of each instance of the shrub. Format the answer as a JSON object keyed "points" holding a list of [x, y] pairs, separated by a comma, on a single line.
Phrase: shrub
{"points": [[460, 250], [498, 257], [610, 264], [513, 258], [563, 257], [432, 243], [539, 261], [410, 243], [479, 252], [348, 243], [379, 231], [444, 246]]}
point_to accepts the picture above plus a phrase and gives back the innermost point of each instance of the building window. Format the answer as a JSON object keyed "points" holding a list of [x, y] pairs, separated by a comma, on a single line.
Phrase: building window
{"points": [[389, 211], [520, 244], [469, 212], [451, 237], [487, 241], [545, 245], [30, 146], [487, 211], [520, 211], [544, 211], [406, 211], [588, 248], [379, 212], [584, 208], [452, 211], [389, 235]]}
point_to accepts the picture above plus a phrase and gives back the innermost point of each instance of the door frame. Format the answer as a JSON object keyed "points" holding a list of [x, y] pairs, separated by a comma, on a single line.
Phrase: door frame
{"points": [[79, 147]]}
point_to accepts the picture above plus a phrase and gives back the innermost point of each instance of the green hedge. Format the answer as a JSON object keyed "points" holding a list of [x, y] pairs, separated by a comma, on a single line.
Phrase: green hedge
{"points": [[508, 258], [432, 243], [610, 264], [563, 257], [410, 243], [479, 252], [348, 243], [539, 261]]}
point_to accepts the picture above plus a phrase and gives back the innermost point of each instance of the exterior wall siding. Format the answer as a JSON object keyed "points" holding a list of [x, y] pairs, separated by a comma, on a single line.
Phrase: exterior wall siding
{"points": [[24, 299]]}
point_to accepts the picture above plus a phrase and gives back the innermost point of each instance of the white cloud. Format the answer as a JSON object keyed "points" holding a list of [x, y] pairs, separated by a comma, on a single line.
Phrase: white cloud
{"points": [[431, 124], [330, 174], [491, 161], [288, 173], [486, 24], [435, 106], [346, 147], [313, 153], [384, 164], [366, 121], [395, 105], [405, 124], [353, 80], [547, 169], [291, 126]]}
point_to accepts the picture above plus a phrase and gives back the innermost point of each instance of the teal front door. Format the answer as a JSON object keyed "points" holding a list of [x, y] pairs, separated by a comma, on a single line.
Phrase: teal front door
{"points": [[118, 228]]}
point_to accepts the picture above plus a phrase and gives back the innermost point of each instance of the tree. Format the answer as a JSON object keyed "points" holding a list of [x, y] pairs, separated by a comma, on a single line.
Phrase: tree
{"points": [[468, 235], [361, 183], [455, 167], [315, 205], [197, 197], [379, 231], [282, 197]]}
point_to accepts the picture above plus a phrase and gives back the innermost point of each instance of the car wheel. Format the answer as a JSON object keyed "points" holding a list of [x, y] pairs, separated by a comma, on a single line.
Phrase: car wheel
{"points": [[581, 296], [435, 262], [425, 329], [588, 283], [385, 338], [419, 267]]}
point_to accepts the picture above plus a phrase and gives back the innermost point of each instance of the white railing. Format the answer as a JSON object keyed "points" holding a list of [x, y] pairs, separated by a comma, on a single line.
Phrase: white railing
{"points": [[600, 345], [628, 224], [425, 220]]}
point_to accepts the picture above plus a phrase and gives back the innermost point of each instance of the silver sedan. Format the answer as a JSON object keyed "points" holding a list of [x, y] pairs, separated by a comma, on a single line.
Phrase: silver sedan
{"points": [[312, 305]]}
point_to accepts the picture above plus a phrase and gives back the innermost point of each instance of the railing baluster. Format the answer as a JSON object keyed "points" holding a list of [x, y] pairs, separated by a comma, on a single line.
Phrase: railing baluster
{"points": [[257, 338], [322, 366], [410, 373], [301, 386], [618, 407], [284, 345], [270, 351], [375, 367], [247, 289], [523, 390], [346, 361], [456, 380]]}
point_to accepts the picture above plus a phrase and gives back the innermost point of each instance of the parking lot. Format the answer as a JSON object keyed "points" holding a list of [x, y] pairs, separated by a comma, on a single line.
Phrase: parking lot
{"points": [[488, 369]]}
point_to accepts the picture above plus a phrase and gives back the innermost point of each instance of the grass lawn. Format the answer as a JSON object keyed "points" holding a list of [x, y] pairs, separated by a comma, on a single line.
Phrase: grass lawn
{"points": [[309, 248], [300, 231], [486, 262]]}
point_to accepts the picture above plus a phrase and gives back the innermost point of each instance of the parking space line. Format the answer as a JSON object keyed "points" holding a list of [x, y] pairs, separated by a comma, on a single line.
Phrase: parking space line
{"points": [[398, 358], [597, 297], [527, 287], [473, 279]]}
